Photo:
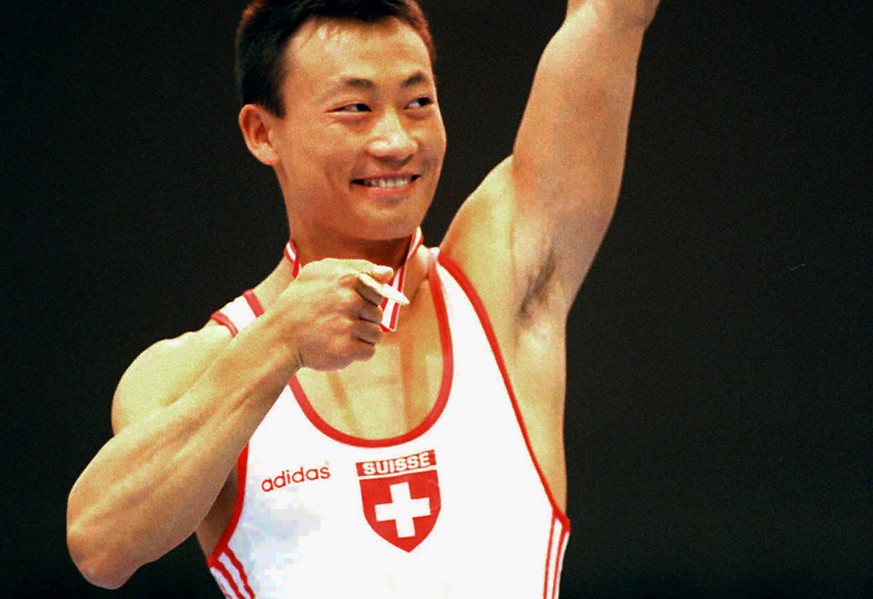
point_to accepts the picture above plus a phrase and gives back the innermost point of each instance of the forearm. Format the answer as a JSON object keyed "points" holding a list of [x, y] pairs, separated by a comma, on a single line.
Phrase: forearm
{"points": [[150, 487]]}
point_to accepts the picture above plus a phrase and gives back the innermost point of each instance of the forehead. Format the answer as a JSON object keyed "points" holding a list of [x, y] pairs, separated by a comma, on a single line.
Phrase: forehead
{"points": [[325, 50]]}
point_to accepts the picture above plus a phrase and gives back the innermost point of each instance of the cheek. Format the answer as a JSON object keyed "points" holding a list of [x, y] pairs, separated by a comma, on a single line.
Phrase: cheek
{"points": [[332, 151], [437, 140], [316, 157]]}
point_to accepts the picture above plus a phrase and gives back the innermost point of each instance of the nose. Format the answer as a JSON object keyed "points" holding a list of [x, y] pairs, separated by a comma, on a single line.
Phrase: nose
{"points": [[391, 139]]}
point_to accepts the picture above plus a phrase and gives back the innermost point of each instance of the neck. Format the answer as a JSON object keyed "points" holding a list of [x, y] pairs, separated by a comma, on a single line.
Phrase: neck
{"points": [[391, 252], [373, 252]]}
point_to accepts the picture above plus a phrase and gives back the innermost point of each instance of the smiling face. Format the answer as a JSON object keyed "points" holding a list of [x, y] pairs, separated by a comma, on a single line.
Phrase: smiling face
{"points": [[359, 150]]}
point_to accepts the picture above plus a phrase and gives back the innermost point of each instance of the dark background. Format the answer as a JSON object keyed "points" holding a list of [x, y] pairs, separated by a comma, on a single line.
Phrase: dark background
{"points": [[719, 420]]}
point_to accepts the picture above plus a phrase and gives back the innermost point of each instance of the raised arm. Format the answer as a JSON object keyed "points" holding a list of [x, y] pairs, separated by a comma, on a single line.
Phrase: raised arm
{"points": [[545, 210]]}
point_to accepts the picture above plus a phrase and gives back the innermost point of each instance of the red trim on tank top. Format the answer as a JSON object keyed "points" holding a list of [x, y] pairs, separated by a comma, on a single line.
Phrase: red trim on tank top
{"points": [[554, 557], [254, 303], [467, 286], [241, 572], [229, 582], [548, 568], [559, 560], [222, 546], [442, 396], [230, 577], [222, 319]]}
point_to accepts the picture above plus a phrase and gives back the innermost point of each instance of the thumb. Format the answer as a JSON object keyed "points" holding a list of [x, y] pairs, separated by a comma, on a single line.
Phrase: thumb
{"points": [[381, 273], [378, 272]]}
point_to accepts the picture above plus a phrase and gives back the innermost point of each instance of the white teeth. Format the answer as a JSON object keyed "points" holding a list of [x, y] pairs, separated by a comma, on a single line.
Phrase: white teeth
{"points": [[388, 183]]}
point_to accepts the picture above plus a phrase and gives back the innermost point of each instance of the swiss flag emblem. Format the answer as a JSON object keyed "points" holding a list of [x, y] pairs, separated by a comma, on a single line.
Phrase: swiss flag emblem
{"points": [[401, 497]]}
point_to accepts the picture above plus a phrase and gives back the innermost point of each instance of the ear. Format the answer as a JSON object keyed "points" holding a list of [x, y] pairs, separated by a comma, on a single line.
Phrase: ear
{"points": [[257, 124]]}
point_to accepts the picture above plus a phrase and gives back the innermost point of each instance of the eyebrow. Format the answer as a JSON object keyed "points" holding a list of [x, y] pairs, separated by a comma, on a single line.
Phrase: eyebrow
{"points": [[363, 84]]}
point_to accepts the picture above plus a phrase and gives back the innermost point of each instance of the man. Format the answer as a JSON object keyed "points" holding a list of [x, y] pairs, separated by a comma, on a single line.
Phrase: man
{"points": [[414, 452]]}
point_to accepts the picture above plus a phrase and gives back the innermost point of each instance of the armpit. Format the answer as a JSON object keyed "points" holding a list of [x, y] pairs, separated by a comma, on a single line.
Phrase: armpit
{"points": [[540, 285]]}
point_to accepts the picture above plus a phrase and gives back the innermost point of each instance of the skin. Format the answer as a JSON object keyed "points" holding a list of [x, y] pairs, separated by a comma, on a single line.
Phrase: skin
{"points": [[361, 106]]}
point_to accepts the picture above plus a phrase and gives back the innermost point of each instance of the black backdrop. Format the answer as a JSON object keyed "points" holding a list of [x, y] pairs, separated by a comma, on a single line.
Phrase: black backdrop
{"points": [[718, 414]]}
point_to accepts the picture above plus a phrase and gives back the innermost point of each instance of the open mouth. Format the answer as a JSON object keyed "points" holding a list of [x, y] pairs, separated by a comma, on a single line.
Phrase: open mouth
{"points": [[386, 182]]}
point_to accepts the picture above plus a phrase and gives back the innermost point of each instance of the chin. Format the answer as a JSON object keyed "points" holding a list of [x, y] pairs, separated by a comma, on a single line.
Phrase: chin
{"points": [[391, 232], [388, 225]]}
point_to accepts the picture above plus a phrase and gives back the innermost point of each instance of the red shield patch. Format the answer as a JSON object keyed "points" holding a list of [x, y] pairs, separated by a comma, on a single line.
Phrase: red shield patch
{"points": [[401, 498]]}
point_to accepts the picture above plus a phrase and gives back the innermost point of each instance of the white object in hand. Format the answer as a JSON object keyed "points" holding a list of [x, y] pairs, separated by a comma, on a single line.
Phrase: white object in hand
{"points": [[383, 289]]}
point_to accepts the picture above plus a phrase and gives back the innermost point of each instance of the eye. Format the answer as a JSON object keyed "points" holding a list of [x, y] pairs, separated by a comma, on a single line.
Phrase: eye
{"points": [[356, 107], [422, 102]]}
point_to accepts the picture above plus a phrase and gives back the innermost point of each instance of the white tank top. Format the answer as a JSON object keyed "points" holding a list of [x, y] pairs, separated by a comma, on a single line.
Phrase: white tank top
{"points": [[456, 507]]}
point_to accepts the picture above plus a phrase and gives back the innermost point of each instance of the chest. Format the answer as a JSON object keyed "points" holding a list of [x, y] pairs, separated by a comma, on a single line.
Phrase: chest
{"points": [[394, 508], [394, 391]]}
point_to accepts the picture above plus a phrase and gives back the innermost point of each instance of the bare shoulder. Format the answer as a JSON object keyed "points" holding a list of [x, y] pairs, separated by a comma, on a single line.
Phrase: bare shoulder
{"points": [[164, 371], [506, 253], [478, 239]]}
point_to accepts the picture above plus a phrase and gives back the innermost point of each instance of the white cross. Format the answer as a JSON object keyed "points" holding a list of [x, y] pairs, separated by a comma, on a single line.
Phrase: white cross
{"points": [[402, 509]]}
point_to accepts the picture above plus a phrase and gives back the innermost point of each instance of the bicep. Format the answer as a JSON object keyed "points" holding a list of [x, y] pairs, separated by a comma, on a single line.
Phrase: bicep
{"points": [[163, 373]]}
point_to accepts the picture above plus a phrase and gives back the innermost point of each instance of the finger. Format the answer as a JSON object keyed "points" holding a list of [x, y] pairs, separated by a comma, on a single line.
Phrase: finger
{"points": [[368, 289], [377, 271], [384, 290], [368, 332], [371, 313]]}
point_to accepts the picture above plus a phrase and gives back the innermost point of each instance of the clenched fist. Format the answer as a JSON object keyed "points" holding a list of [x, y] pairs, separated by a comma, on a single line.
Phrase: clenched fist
{"points": [[329, 317]]}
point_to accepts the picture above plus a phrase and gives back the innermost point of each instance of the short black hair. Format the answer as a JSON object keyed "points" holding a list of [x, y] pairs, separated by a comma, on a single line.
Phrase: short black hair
{"points": [[268, 25]]}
